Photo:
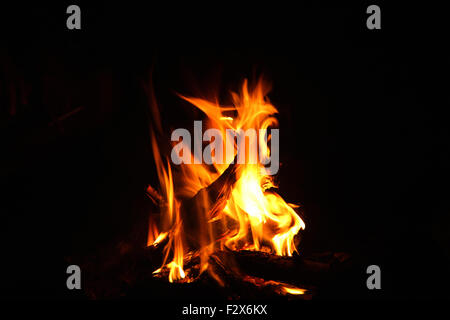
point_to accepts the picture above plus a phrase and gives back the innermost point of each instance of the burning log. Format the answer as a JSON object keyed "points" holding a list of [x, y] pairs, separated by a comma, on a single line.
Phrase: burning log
{"points": [[296, 269], [254, 274], [231, 274], [197, 212], [237, 285]]}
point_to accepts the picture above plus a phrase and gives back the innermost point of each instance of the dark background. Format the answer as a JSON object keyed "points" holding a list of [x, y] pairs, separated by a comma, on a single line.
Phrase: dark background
{"points": [[364, 133]]}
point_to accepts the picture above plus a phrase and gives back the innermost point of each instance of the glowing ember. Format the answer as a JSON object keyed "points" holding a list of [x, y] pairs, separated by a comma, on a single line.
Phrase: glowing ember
{"points": [[223, 205], [292, 290]]}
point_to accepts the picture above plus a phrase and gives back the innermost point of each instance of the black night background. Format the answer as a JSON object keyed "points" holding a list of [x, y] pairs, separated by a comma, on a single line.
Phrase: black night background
{"points": [[363, 128]]}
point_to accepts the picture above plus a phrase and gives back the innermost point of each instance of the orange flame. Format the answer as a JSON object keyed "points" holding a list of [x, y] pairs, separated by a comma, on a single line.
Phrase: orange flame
{"points": [[254, 217], [293, 290]]}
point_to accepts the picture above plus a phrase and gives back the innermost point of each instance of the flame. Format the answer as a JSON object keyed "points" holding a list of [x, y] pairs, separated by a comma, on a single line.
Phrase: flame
{"points": [[293, 290], [253, 217]]}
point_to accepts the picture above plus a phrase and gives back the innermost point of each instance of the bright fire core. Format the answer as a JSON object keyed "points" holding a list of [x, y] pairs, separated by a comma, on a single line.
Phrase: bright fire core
{"points": [[221, 206]]}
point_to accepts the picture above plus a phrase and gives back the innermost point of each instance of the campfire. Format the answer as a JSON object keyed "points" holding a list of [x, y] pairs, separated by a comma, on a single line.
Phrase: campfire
{"points": [[218, 205], [218, 228]]}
